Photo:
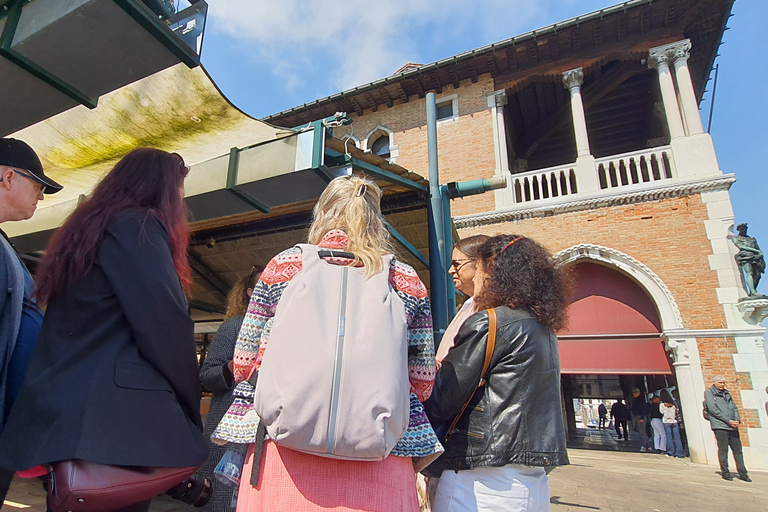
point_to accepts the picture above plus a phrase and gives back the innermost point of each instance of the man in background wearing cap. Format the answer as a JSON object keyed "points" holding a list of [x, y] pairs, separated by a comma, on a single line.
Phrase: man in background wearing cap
{"points": [[22, 185], [725, 420]]}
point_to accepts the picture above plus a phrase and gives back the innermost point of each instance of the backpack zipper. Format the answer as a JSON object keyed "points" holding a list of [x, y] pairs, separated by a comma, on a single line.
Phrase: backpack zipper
{"points": [[337, 362]]}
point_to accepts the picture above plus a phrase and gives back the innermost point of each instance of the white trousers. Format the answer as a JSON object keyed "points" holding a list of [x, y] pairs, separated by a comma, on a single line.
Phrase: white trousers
{"points": [[659, 435], [511, 488]]}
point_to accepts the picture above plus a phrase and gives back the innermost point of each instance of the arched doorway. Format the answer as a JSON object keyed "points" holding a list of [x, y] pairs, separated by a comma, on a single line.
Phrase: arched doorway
{"points": [[613, 343]]}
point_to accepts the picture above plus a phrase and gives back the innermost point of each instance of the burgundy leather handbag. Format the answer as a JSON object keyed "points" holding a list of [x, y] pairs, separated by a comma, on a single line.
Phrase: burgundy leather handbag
{"points": [[83, 486]]}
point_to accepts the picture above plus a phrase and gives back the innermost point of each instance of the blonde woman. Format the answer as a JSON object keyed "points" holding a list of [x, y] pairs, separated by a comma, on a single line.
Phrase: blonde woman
{"points": [[348, 221]]}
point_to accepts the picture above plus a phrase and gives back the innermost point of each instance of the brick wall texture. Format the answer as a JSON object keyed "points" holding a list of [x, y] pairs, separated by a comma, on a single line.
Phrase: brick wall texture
{"points": [[666, 235]]}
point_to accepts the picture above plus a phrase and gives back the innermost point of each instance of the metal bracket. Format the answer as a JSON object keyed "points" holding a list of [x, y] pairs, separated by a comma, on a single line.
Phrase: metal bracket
{"points": [[234, 159], [407, 245], [162, 32], [378, 172], [6, 40]]}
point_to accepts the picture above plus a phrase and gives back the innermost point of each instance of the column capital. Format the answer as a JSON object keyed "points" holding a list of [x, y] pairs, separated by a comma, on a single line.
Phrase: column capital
{"points": [[497, 99], [679, 50], [573, 78], [679, 349]]}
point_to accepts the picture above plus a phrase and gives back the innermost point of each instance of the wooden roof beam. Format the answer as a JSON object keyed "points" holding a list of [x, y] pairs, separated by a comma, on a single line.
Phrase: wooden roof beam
{"points": [[472, 71], [591, 95], [403, 93], [356, 105], [491, 61], [390, 101], [372, 101], [435, 79], [541, 103], [420, 85]]}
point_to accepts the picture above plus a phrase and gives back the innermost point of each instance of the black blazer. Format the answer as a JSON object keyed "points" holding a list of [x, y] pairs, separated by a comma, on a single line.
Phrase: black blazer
{"points": [[114, 375]]}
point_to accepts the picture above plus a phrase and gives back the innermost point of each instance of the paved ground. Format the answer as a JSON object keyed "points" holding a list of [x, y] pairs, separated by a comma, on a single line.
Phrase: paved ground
{"points": [[621, 481]]}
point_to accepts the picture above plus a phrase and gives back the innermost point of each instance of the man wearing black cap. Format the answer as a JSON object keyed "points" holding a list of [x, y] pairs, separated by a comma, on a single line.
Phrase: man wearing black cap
{"points": [[22, 185]]}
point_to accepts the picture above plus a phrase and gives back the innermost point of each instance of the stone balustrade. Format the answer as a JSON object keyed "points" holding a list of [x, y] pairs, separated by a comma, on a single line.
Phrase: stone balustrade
{"points": [[629, 171], [544, 184], [635, 168]]}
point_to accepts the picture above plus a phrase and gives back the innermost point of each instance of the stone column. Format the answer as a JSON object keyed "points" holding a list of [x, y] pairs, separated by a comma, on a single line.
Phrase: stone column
{"points": [[691, 387], [496, 102], [586, 172], [659, 58], [680, 52], [572, 81]]}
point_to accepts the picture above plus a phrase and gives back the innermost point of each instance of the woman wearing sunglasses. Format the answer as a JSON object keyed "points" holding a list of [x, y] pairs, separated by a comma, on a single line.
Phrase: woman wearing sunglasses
{"points": [[511, 429], [462, 270]]}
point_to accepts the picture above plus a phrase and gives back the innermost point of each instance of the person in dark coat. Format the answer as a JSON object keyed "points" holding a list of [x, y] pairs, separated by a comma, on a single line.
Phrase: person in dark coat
{"points": [[512, 430], [620, 415], [114, 376], [22, 185], [216, 377], [640, 417], [603, 414]]}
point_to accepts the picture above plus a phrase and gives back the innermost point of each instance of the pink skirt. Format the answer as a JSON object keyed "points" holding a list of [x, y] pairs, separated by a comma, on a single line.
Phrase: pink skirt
{"points": [[298, 482]]}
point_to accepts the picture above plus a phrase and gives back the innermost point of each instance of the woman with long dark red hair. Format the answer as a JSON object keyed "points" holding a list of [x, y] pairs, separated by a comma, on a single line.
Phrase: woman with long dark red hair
{"points": [[114, 378]]}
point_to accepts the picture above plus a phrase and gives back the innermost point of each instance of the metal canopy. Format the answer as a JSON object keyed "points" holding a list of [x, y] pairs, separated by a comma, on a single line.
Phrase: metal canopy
{"points": [[178, 109], [56, 54]]}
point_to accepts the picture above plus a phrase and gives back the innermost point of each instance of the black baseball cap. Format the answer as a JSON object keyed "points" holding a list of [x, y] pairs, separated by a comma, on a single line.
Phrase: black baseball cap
{"points": [[16, 153]]}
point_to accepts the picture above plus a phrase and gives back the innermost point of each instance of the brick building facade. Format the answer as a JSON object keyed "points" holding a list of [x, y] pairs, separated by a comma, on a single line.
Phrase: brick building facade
{"points": [[594, 124]]}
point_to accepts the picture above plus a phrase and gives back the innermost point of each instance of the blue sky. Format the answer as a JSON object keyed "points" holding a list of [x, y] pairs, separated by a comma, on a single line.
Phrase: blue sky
{"points": [[269, 56]]}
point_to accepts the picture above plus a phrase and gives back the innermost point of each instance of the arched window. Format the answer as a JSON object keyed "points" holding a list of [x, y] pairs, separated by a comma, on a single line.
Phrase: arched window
{"points": [[380, 147]]}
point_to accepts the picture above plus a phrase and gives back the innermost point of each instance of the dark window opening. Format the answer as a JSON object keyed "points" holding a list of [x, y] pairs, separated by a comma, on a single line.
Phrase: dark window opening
{"points": [[445, 110], [380, 147]]}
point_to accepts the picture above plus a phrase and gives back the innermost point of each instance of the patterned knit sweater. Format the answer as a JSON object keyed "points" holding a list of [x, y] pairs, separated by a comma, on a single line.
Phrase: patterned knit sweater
{"points": [[419, 439]]}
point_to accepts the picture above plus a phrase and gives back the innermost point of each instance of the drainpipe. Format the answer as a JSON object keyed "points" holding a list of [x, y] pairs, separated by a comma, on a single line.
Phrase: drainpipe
{"points": [[455, 190], [448, 230], [438, 272]]}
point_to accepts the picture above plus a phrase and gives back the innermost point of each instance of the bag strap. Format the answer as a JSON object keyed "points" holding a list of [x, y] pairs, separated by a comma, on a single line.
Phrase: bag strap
{"points": [[490, 345]]}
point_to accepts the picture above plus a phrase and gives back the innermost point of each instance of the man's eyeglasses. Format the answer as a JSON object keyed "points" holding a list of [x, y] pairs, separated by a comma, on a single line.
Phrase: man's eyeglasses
{"points": [[457, 264], [30, 178]]}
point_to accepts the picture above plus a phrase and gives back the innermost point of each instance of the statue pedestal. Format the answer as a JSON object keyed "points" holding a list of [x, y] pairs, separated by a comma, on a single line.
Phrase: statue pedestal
{"points": [[753, 310]]}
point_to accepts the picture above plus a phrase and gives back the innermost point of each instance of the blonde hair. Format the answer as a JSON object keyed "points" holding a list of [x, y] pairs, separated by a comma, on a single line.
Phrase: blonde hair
{"points": [[353, 205]]}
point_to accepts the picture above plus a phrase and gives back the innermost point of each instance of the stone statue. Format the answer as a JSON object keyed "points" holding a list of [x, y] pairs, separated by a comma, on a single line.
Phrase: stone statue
{"points": [[750, 260]]}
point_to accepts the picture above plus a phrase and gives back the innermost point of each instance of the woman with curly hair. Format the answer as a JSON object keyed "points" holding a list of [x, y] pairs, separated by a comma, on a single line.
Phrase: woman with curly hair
{"points": [[511, 431], [217, 378]]}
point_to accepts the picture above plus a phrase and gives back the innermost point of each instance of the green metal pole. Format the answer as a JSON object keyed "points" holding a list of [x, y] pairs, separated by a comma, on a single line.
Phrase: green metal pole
{"points": [[436, 227], [448, 230]]}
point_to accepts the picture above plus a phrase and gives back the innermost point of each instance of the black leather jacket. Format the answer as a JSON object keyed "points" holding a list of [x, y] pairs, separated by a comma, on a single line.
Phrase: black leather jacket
{"points": [[516, 417]]}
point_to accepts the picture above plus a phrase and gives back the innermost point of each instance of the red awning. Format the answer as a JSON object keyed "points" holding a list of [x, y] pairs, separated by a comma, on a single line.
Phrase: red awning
{"points": [[614, 356]]}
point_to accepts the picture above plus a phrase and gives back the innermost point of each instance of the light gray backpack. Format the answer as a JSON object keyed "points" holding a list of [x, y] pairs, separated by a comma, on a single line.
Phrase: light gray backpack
{"points": [[334, 378]]}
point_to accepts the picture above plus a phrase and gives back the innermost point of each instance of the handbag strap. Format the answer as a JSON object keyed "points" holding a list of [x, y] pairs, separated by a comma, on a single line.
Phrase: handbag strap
{"points": [[490, 345]]}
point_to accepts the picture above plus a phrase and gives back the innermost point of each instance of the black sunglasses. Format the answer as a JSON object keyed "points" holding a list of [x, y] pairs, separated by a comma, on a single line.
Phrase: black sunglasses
{"points": [[457, 264]]}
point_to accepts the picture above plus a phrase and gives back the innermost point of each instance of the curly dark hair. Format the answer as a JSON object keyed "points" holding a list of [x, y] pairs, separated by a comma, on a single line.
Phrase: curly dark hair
{"points": [[524, 275]]}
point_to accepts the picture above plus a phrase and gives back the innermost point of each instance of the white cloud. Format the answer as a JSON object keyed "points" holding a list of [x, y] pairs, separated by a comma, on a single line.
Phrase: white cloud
{"points": [[358, 42]]}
